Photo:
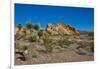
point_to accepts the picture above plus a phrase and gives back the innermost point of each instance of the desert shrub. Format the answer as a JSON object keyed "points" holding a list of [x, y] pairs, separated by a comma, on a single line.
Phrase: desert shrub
{"points": [[91, 46], [34, 53], [48, 47], [19, 36], [16, 36], [25, 47], [81, 44], [91, 34], [91, 38], [19, 26], [64, 42], [40, 33], [18, 47], [24, 52], [28, 25], [30, 53], [34, 37], [27, 37], [81, 38], [24, 37], [36, 27], [48, 43]]}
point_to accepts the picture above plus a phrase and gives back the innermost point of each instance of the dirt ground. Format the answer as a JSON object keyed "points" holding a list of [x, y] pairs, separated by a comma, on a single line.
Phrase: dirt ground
{"points": [[66, 56], [58, 55]]}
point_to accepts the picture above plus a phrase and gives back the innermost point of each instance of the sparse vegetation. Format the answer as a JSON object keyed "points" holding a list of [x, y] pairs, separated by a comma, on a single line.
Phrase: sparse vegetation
{"points": [[43, 45], [25, 48], [19, 26], [91, 34], [34, 53], [81, 44], [18, 46], [48, 44], [64, 42], [28, 25], [36, 27], [22, 47], [41, 33], [33, 38], [91, 46]]}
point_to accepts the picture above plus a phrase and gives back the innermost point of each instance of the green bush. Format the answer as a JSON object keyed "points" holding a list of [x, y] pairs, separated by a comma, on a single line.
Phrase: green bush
{"points": [[40, 33], [36, 27]]}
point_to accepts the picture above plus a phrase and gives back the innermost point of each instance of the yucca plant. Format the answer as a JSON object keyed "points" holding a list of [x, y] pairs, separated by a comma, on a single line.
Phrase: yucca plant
{"points": [[28, 25], [36, 27], [19, 26], [41, 33]]}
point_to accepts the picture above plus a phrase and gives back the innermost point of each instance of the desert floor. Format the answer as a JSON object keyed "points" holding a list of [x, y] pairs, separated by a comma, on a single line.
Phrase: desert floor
{"points": [[76, 50]]}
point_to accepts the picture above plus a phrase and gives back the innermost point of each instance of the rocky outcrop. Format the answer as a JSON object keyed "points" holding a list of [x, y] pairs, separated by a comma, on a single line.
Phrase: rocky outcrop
{"points": [[23, 31], [61, 29], [52, 29]]}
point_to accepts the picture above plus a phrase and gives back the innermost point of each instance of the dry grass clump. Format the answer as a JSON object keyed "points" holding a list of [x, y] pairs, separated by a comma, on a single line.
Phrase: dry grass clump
{"points": [[65, 42], [91, 34], [34, 37], [48, 43], [89, 46]]}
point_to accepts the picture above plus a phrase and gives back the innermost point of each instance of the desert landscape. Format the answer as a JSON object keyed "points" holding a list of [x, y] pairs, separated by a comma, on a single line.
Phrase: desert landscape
{"points": [[52, 44]]}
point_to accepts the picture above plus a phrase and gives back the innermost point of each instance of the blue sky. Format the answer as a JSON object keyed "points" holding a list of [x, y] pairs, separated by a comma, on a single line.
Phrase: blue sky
{"points": [[78, 17]]}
